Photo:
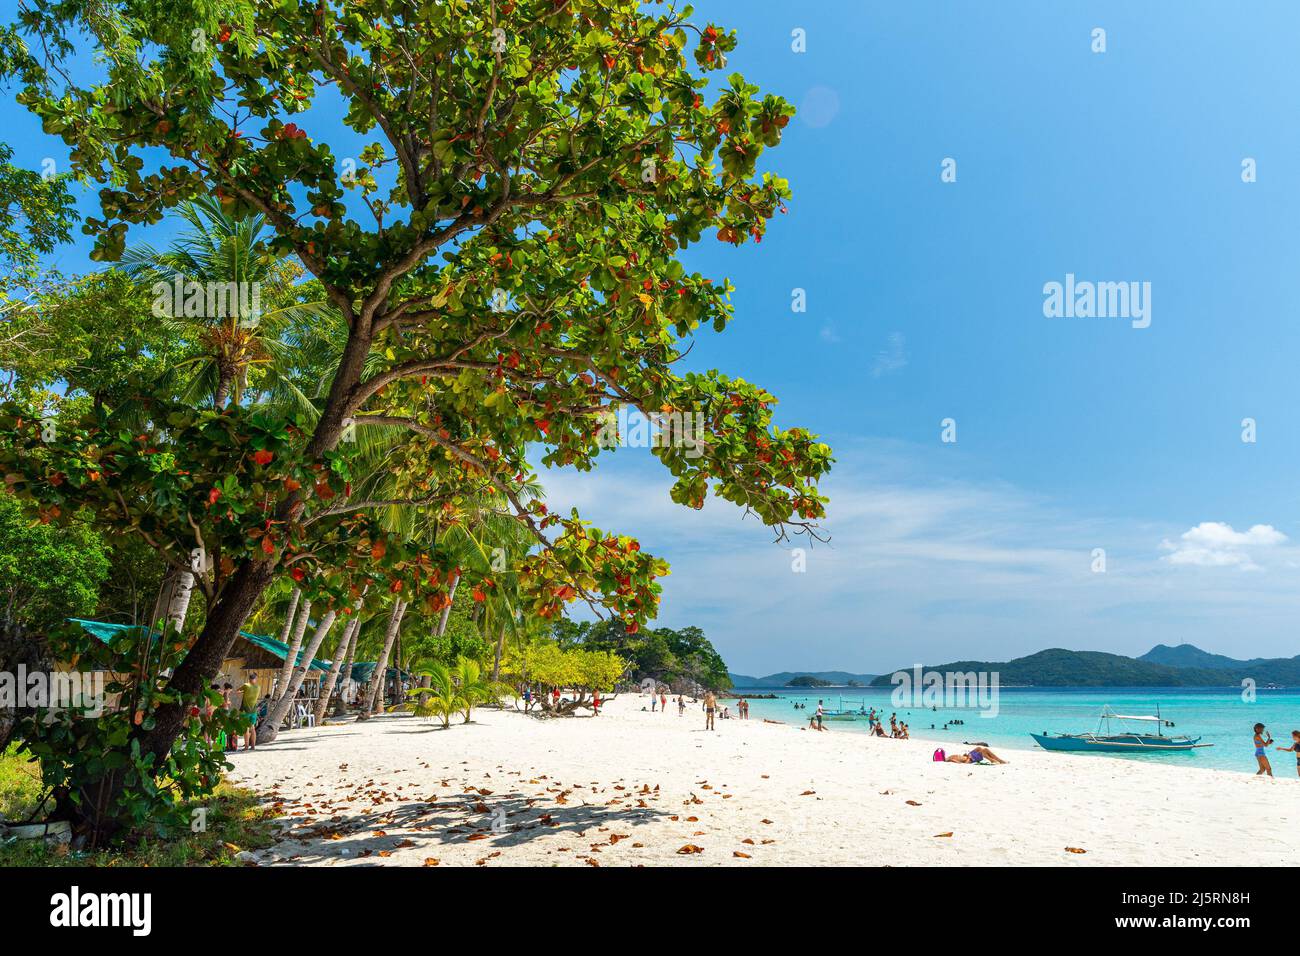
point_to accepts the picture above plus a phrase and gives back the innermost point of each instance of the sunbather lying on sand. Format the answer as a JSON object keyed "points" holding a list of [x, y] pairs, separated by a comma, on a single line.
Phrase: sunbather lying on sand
{"points": [[978, 755]]}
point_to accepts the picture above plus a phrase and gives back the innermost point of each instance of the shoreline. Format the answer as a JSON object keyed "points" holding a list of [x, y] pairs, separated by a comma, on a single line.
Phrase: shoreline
{"points": [[631, 787]]}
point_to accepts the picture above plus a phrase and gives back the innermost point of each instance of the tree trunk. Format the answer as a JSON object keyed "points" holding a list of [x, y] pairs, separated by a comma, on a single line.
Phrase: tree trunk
{"points": [[269, 729], [182, 589], [496, 662], [381, 666], [93, 814], [348, 661], [285, 631], [327, 690], [291, 656], [446, 612]]}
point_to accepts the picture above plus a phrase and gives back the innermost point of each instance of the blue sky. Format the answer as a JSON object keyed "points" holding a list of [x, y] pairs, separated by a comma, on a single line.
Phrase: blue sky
{"points": [[925, 302]]}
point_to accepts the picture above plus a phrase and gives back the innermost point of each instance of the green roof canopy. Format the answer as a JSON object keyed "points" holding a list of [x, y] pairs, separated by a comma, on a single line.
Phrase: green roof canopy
{"points": [[106, 632], [362, 671]]}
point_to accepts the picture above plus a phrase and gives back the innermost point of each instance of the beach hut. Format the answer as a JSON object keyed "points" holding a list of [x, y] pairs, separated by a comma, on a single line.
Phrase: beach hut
{"points": [[395, 683], [252, 656]]}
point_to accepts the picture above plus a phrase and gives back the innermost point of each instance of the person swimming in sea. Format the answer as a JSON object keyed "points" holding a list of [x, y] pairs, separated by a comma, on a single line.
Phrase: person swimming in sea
{"points": [[1294, 748], [1262, 739]]}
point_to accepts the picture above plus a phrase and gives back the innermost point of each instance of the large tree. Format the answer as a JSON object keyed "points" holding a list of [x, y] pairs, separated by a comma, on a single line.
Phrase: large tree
{"points": [[505, 254]]}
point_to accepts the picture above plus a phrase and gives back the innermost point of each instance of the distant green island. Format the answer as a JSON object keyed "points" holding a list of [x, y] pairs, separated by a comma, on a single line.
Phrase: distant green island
{"points": [[1183, 665], [1162, 666], [789, 679], [807, 680]]}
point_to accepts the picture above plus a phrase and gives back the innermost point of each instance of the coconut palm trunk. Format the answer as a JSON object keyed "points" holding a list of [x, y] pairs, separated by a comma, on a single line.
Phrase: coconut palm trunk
{"points": [[291, 656], [346, 672], [327, 690], [496, 660], [285, 631], [375, 690], [446, 611], [270, 728]]}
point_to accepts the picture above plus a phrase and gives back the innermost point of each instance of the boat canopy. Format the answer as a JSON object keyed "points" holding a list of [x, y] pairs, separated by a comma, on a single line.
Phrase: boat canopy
{"points": [[1131, 717]]}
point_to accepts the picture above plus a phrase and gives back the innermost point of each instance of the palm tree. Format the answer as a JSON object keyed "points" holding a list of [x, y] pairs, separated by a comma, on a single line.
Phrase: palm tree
{"points": [[442, 698], [216, 251], [474, 687]]}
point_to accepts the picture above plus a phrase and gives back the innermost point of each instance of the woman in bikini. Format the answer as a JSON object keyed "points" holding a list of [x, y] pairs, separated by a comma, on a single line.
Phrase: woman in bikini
{"points": [[1260, 757], [977, 755]]}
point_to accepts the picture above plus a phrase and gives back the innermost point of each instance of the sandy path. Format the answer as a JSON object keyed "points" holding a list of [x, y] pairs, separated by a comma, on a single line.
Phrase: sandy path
{"points": [[632, 787]]}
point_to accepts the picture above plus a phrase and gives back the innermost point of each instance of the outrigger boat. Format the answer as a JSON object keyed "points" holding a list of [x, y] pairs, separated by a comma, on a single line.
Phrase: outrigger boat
{"points": [[1126, 741], [848, 713]]}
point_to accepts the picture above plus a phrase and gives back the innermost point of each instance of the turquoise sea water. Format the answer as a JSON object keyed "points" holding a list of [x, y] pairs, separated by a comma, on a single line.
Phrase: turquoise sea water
{"points": [[1219, 717]]}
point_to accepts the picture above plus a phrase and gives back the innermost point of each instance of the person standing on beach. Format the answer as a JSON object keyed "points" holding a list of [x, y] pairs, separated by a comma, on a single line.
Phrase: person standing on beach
{"points": [[710, 704], [228, 705], [1294, 748], [1260, 743], [663, 702], [681, 705], [248, 705]]}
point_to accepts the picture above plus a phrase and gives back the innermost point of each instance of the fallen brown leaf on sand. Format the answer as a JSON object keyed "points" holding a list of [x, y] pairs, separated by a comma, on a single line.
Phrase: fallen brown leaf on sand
{"points": [[691, 848], [403, 844], [591, 862], [748, 840], [743, 856], [808, 793], [948, 834], [692, 819], [766, 821], [477, 836], [1074, 849], [430, 861], [912, 803]]}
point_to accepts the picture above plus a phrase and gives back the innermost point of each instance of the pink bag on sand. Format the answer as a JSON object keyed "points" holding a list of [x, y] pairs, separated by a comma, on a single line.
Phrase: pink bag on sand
{"points": [[940, 756]]}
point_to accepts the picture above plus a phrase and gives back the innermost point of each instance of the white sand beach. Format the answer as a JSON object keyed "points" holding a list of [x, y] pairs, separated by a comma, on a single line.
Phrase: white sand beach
{"points": [[635, 788]]}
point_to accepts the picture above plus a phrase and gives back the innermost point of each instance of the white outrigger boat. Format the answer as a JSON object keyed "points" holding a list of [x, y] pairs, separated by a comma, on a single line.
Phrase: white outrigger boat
{"points": [[1126, 741], [858, 712]]}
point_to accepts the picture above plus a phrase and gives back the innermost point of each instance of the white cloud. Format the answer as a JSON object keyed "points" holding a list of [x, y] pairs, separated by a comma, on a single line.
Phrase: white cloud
{"points": [[891, 358], [930, 569], [1213, 544]]}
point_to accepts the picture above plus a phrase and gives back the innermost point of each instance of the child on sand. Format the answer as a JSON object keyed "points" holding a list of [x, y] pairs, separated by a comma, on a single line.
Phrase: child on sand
{"points": [[1294, 748], [1260, 744], [816, 722]]}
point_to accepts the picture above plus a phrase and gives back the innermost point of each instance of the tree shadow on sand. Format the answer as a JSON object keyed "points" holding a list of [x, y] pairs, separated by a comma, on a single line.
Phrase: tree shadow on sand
{"points": [[490, 823]]}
